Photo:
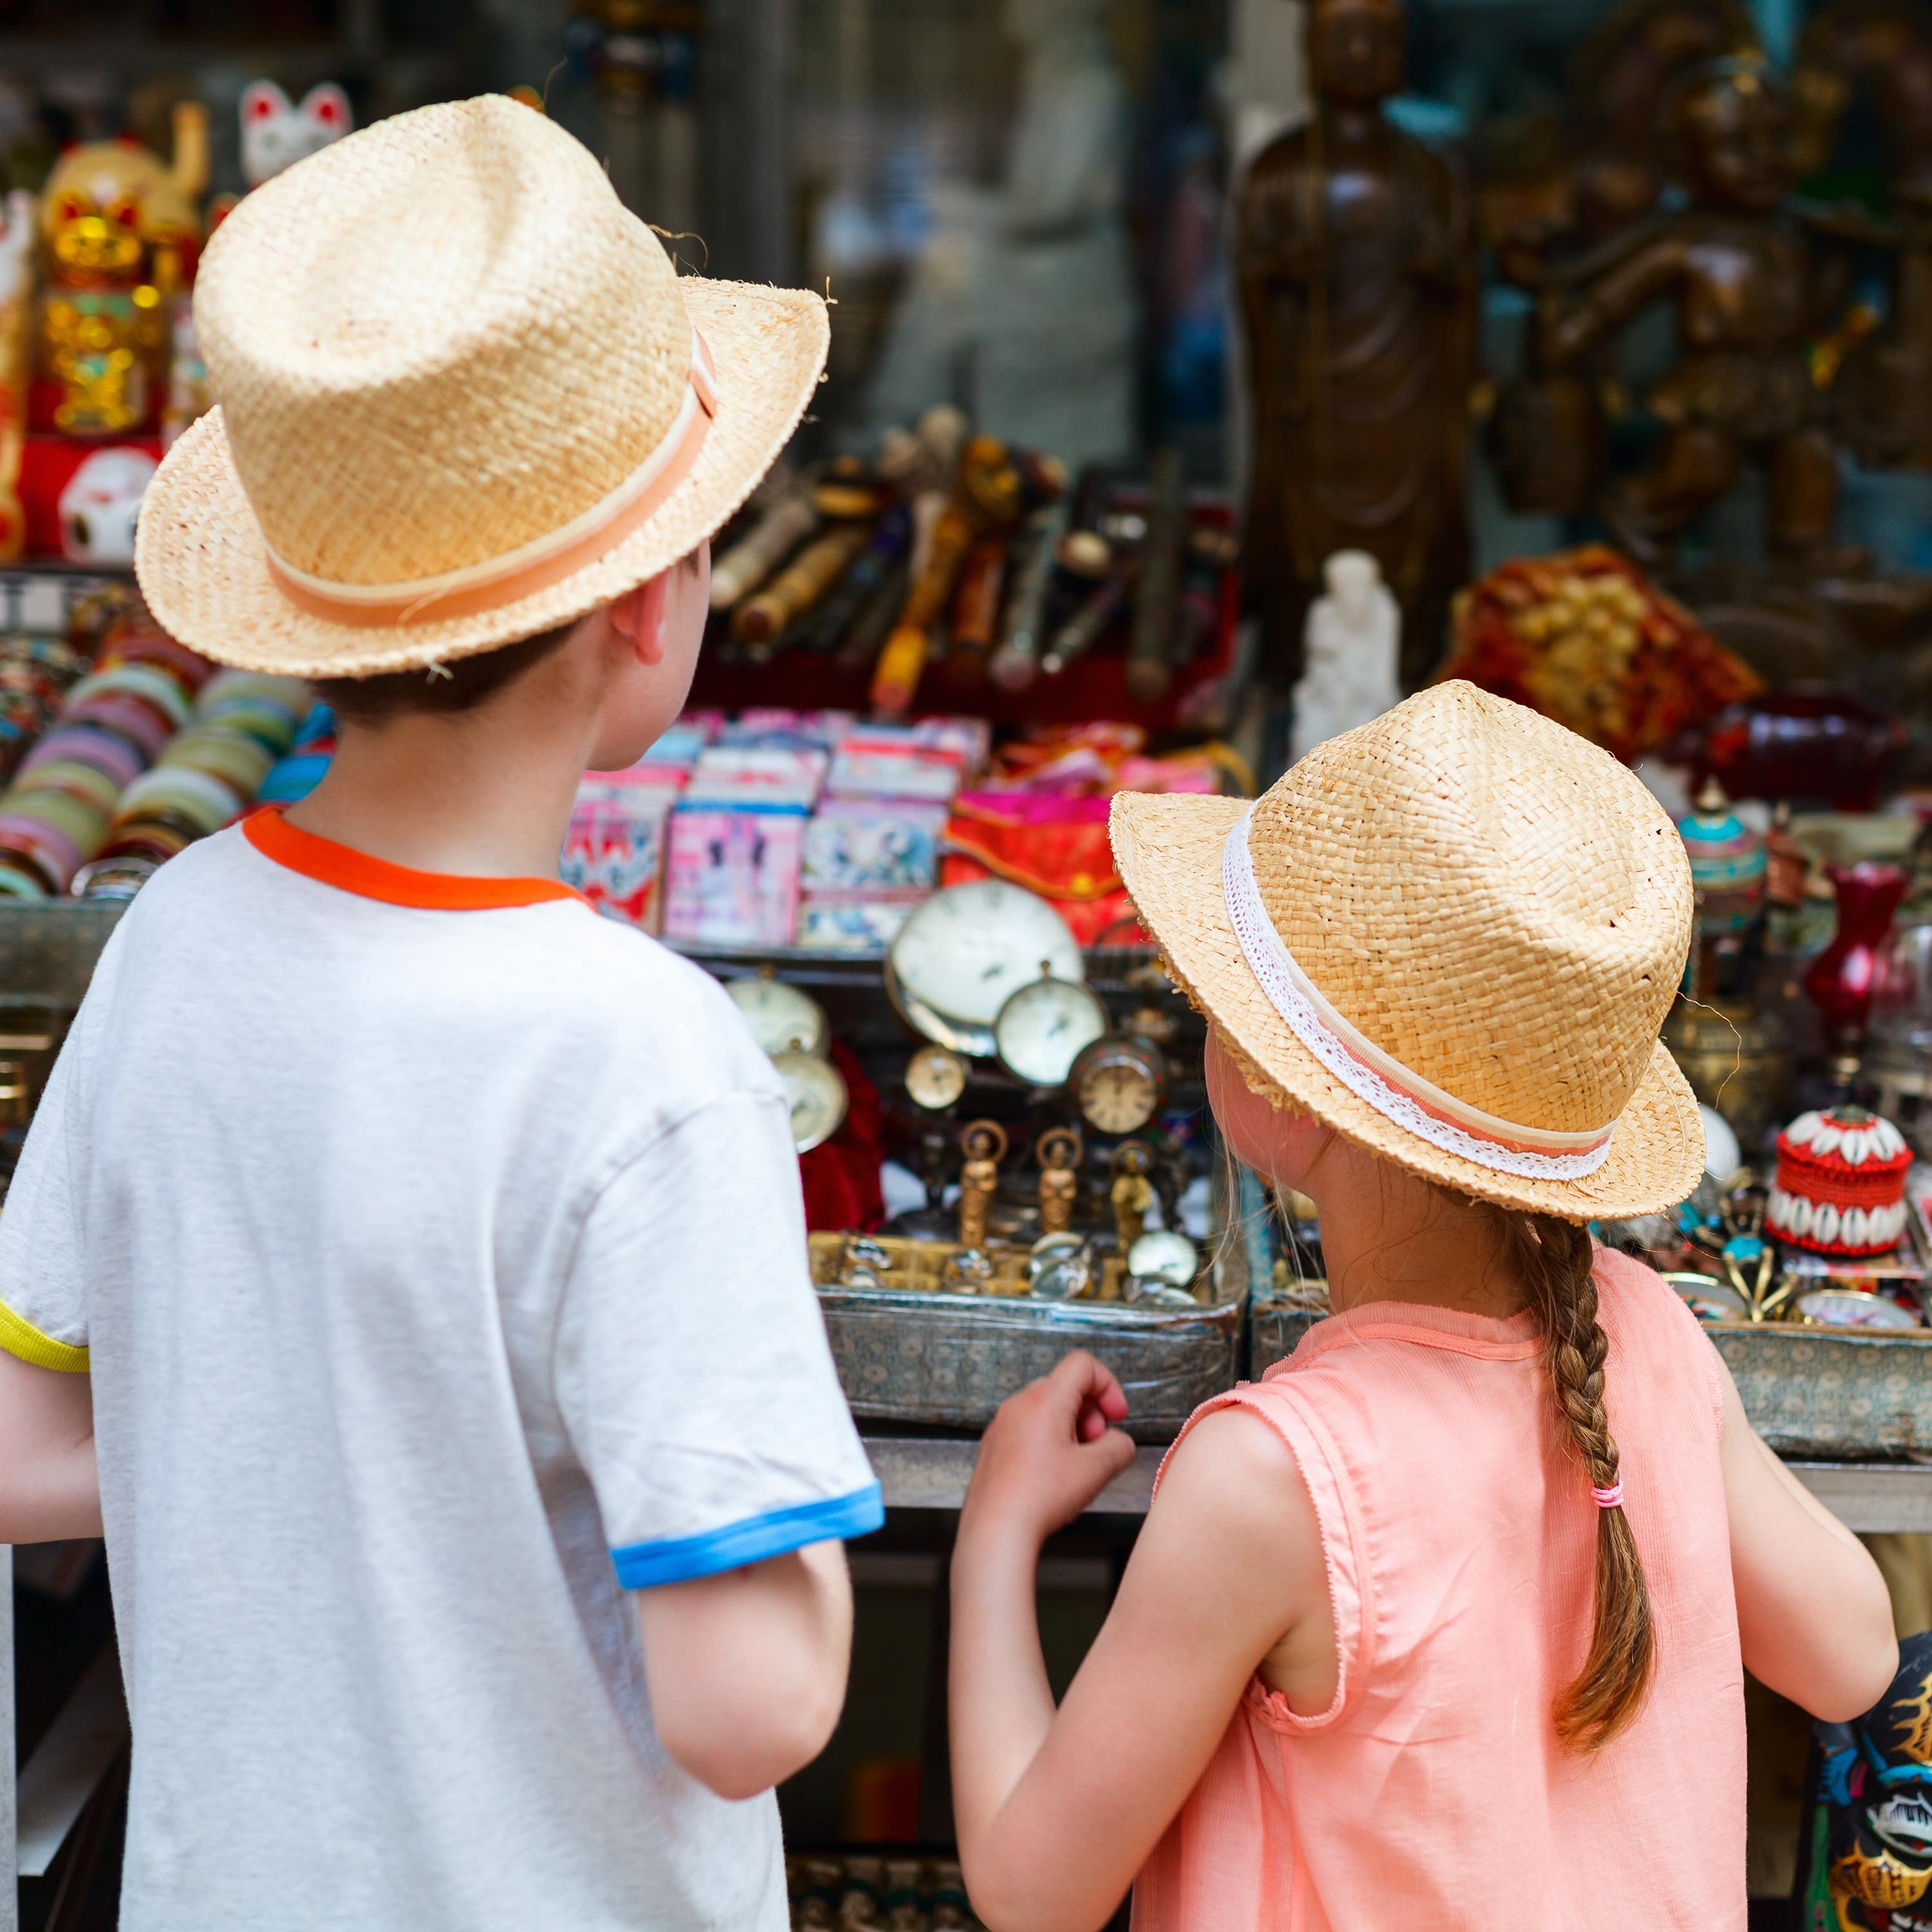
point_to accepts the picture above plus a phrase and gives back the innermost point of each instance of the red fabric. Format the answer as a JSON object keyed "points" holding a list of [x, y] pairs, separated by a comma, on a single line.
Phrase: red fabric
{"points": [[841, 1175]]}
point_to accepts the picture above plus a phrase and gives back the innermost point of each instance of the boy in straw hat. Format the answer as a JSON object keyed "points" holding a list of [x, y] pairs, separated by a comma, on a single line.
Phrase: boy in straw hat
{"points": [[1444, 1623], [470, 1456]]}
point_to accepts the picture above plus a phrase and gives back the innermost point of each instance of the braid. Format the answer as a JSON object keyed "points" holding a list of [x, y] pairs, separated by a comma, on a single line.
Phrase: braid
{"points": [[1555, 1262]]}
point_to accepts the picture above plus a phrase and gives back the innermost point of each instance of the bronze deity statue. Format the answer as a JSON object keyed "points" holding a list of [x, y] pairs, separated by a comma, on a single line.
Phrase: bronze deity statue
{"points": [[1749, 298], [1546, 436], [1356, 264], [1881, 51]]}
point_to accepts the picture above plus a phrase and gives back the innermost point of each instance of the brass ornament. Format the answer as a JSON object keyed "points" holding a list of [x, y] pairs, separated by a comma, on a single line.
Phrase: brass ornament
{"points": [[1132, 1193], [984, 1144], [1059, 1151]]}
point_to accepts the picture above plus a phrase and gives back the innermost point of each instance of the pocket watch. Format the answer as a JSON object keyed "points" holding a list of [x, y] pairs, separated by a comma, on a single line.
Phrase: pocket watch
{"points": [[935, 1077], [954, 963], [817, 1095], [1039, 1032], [1165, 1256], [1118, 1082], [783, 1017]]}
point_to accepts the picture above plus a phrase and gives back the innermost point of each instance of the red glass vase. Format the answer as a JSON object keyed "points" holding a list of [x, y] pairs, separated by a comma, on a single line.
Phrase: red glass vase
{"points": [[1841, 980]]}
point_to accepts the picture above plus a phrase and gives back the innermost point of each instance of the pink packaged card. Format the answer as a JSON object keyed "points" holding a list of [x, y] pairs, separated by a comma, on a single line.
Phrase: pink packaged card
{"points": [[732, 875], [613, 855]]}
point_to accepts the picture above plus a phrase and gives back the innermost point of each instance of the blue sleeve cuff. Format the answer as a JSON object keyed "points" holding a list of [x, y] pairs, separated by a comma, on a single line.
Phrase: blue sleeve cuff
{"points": [[678, 1559]]}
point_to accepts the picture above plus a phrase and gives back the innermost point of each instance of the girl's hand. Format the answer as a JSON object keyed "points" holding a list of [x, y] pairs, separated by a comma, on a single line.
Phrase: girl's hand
{"points": [[1050, 1450]]}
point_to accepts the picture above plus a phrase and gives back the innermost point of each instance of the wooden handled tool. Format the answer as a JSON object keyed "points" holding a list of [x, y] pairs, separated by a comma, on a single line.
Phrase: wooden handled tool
{"points": [[755, 555], [810, 576]]}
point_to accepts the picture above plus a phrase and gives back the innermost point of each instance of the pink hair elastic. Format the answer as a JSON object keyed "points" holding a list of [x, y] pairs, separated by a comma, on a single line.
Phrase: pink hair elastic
{"points": [[1610, 1498]]}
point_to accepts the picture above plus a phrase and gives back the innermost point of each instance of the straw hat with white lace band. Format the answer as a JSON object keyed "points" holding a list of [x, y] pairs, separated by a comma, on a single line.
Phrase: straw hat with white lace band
{"points": [[1451, 935], [1379, 1078]]}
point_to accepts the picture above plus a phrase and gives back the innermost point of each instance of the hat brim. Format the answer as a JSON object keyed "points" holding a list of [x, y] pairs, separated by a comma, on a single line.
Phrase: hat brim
{"points": [[202, 562], [1168, 847]]}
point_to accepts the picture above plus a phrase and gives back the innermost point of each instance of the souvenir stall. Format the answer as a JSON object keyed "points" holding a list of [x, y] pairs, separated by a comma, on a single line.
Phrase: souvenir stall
{"points": [[1071, 521]]}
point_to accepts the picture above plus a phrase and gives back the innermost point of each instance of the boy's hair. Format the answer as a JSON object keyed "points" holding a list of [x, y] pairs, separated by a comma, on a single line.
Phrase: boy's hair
{"points": [[441, 691]]}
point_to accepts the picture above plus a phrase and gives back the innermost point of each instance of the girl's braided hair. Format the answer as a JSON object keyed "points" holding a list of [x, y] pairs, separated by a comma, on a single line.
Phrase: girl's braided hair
{"points": [[1553, 1261]]}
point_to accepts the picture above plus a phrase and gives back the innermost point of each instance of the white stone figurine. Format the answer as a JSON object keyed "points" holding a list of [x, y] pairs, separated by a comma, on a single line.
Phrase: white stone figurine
{"points": [[1352, 646]]}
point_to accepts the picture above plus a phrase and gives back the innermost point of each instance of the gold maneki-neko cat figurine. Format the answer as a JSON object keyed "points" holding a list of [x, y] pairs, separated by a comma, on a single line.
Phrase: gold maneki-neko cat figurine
{"points": [[119, 235]]}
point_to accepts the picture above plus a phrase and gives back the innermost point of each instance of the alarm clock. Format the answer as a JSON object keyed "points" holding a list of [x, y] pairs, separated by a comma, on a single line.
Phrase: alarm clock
{"points": [[1118, 1082], [1042, 1029], [783, 1017], [960, 957], [818, 1095], [935, 1077]]}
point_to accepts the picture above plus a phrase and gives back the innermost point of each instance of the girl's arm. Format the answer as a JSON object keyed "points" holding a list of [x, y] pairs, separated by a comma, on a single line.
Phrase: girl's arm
{"points": [[48, 1487], [1813, 1615], [1057, 1810]]}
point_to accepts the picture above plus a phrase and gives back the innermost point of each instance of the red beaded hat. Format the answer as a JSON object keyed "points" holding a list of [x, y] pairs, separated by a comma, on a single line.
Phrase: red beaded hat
{"points": [[1840, 1187]]}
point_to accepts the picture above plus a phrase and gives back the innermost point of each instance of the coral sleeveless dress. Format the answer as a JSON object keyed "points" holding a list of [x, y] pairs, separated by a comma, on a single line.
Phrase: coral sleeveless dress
{"points": [[1460, 1544]]}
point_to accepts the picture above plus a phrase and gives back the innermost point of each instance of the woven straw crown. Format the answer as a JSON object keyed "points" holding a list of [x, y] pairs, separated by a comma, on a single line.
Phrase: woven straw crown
{"points": [[1491, 899], [464, 397], [1497, 905], [437, 341]]}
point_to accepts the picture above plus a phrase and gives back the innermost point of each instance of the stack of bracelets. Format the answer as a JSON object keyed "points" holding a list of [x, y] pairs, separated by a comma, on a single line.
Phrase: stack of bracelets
{"points": [[151, 750]]}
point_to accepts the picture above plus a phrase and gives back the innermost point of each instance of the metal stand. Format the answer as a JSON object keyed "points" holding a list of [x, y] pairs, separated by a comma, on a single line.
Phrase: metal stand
{"points": [[932, 1472]]}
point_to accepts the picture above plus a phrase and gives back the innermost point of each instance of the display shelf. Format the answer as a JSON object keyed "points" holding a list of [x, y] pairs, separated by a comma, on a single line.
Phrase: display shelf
{"points": [[931, 1472]]}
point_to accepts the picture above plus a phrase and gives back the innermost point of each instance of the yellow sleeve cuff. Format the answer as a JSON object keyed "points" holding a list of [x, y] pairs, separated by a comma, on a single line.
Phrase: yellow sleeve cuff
{"points": [[19, 1336]]}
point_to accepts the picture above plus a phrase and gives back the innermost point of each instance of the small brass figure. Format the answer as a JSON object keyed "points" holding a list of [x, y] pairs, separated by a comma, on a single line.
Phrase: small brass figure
{"points": [[984, 1144], [1059, 1151], [1133, 1192]]}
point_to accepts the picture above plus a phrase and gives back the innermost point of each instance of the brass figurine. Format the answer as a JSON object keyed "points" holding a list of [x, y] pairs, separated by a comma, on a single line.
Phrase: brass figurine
{"points": [[1355, 260], [984, 1144], [1059, 1151], [1133, 1192]]}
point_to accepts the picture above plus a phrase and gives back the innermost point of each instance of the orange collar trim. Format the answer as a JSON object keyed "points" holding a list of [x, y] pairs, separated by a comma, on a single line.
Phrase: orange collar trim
{"points": [[349, 870]]}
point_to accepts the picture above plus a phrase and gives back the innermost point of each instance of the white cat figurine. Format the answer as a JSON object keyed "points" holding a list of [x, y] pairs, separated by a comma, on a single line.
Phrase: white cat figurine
{"points": [[276, 133]]}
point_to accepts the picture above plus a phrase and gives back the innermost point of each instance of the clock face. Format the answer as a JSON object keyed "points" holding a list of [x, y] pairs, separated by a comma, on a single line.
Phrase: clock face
{"points": [[968, 949], [1042, 1029], [1117, 1084], [935, 1077], [782, 1018], [818, 1097], [1164, 1256]]}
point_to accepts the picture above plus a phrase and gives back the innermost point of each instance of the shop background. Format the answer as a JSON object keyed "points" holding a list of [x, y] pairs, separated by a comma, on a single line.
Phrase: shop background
{"points": [[1016, 205]]}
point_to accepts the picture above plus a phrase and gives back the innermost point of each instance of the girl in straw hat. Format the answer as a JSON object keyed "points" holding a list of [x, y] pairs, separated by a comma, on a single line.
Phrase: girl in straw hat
{"points": [[1444, 1623]]}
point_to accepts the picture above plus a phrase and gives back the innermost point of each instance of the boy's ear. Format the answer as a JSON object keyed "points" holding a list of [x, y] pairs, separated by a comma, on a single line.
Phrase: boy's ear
{"points": [[638, 617]]}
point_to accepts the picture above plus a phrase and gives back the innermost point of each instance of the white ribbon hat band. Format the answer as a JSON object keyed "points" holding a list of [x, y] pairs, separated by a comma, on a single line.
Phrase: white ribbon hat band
{"points": [[1376, 1077]]}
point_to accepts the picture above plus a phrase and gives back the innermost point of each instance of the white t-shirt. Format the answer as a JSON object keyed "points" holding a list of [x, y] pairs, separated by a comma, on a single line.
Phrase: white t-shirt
{"points": [[442, 1272]]}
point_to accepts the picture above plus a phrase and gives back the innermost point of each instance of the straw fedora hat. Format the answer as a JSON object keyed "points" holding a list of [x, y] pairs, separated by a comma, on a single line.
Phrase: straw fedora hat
{"points": [[1452, 934], [464, 397]]}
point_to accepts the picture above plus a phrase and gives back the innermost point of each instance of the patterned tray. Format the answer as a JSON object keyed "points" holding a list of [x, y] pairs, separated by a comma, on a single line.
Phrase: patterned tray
{"points": [[951, 1360], [1809, 1393]]}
